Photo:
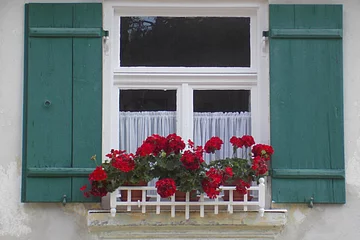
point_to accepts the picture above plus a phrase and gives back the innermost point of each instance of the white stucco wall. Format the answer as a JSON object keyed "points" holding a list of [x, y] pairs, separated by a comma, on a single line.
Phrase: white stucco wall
{"points": [[52, 221]]}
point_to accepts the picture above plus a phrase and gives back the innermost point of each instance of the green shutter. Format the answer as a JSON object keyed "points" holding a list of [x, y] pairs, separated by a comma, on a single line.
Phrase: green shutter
{"points": [[62, 99], [306, 103]]}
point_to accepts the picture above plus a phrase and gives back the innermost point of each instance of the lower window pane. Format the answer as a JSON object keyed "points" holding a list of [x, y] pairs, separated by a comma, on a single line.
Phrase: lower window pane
{"points": [[221, 113], [143, 113]]}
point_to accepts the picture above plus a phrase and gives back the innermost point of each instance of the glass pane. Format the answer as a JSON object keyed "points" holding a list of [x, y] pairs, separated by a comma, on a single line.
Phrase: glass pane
{"points": [[221, 113], [185, 41], [143, 113], [147, 100]]}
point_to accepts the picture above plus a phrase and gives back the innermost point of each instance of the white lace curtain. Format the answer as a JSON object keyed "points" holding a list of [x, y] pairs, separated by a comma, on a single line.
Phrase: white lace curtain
{"points": [[135, 127]]}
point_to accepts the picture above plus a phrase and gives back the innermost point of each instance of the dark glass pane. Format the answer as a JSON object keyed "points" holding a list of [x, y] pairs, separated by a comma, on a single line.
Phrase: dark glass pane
{"points": [[221, 100], [147, 100], [185, 41]]}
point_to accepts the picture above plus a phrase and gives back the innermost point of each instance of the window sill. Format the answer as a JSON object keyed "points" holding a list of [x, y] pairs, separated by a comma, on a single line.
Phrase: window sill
{"points": [[239, 225]]}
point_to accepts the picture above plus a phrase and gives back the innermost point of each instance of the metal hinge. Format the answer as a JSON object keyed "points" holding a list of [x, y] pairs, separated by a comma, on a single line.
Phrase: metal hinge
{"points": [[105, 34], [265, 33]]}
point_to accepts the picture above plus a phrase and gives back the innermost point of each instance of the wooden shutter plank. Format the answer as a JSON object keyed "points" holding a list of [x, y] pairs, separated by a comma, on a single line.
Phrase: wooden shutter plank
{"points": [[306, 103], [87, 94], [65, 32], [48, 126]]}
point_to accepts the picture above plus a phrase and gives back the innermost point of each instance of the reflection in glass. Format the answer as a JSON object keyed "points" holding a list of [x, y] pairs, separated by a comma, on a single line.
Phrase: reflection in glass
{"points": [[185, 41]]}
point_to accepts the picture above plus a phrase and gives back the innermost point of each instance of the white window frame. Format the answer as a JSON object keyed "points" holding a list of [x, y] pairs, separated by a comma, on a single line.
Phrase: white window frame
{"points": [[185, 79]]}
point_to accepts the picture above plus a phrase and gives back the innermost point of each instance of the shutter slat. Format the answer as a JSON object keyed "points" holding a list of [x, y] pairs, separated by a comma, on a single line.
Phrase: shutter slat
{"points": [[308, 173], [306, 103], [59, 172], [87, 93], [306, 33], [65, 32]]}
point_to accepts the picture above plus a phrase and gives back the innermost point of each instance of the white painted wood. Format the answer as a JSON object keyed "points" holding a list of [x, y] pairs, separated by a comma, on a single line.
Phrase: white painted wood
{"points": [[128, 200], [231, 201], [143, 198], [245, 201], [187, 207], [216, 207], [262, 196], [202, 208], [157, 205], [173, 206]]}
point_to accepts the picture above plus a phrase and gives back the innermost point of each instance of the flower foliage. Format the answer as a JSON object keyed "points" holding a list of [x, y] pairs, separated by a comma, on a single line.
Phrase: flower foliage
{"points": [[180, 166]]}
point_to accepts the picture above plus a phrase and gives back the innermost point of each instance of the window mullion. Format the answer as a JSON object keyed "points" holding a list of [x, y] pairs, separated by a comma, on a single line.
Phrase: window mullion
{"points": [[185, 112]]}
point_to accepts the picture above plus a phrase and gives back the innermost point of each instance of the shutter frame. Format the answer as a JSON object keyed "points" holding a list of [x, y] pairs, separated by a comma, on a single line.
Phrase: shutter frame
{"points": [[46, 176], [306, 54]]}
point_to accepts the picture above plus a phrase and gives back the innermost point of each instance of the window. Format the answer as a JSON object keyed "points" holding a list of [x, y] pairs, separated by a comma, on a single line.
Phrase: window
{"points": [[183, 64]]}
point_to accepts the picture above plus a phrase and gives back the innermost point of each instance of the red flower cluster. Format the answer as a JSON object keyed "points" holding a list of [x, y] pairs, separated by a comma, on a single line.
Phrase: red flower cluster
{"points": [[248, 140], [145, 149], [192, 159], [259, 165], [114, 153], [212, 183], [213, 144], [95, 190], [242, 186], [245, 140], [124, 162], [165, 187], [98, 174], [262, 150], [174, 144], [155, 143], [152, 145], [228, 172]]}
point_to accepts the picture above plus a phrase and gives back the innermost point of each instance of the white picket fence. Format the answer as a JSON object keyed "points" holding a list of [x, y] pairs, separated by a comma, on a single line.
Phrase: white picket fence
{"points": [[201, 203]]}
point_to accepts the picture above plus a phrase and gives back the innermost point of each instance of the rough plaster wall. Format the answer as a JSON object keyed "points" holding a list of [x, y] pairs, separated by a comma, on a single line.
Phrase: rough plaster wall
{"points": [[17, 220], [333, 222], [53, 222]]}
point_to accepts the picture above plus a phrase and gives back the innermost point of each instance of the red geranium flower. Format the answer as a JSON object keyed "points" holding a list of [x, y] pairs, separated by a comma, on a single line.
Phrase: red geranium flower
{"points": [[158, 143], [192, 160], [247, 140], [145, 149], [98, 174], [124, 162], [114, 153], [210, 188], [174, 144], [212, 183], [242, 187], [165, 187], [236, 142], [213, 144], [259, 165], [263, 150]]}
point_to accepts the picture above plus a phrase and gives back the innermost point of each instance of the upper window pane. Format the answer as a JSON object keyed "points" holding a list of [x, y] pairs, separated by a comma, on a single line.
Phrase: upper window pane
{"points": [[185, 41]]}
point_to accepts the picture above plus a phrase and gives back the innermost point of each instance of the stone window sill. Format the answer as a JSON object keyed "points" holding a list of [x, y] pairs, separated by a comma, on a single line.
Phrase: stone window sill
{"points": [[239, 225]]}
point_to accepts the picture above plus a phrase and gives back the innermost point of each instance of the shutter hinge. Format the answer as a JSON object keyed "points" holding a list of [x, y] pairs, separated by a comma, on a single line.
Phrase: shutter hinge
{"points": [[265, 33], [105, 34]]}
